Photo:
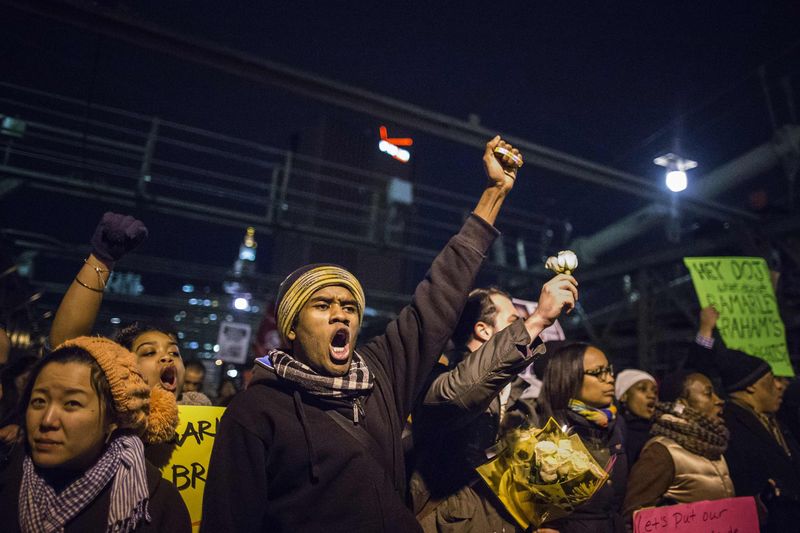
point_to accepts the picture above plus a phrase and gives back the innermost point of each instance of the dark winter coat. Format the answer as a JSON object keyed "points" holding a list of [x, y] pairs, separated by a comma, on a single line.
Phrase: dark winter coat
{"points": [[166, 507], [637, 432], [603, 512], [281, 462], [462, 409], [754, 456]]}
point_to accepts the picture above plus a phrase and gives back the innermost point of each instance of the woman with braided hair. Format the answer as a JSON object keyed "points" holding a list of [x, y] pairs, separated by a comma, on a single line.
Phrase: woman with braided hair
{"points": [[683, 461]]}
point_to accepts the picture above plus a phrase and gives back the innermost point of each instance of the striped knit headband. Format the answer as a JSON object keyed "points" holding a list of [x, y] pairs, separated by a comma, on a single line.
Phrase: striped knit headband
{"points": [[298, 287]]}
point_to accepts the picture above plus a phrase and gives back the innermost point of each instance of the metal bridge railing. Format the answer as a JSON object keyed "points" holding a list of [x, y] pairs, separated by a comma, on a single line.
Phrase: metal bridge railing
{"points": [[63, 144]]}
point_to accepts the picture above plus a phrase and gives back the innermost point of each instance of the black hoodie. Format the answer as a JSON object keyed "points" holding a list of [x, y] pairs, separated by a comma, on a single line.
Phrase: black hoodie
{"points": [[281, 462]]}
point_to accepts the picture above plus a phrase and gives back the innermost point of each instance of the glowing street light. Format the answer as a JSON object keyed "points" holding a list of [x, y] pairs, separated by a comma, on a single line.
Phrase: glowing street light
{"points": [[676, 180], [676, 166], [241, 303]]}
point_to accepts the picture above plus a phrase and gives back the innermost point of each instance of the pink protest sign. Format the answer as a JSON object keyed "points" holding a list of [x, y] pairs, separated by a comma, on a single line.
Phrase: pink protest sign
{"points": [[731, 515]]}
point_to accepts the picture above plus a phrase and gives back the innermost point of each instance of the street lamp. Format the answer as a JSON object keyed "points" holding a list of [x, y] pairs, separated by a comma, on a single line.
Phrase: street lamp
{"points": [[676, 166]]}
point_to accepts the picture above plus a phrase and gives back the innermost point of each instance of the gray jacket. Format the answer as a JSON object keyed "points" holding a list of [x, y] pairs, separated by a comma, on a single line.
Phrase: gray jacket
{"points": [[455, 423]]}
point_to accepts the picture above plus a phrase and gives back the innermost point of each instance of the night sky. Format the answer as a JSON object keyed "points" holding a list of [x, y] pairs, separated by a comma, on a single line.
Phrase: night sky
{"points": [[613, 82]]}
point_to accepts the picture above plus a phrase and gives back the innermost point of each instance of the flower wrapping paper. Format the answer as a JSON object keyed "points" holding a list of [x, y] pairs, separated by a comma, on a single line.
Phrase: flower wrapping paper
{"points": [[541, 475]]}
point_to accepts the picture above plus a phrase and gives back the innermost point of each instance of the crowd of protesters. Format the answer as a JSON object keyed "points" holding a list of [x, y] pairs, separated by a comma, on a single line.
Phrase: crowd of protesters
{"points": [[337, 434]]}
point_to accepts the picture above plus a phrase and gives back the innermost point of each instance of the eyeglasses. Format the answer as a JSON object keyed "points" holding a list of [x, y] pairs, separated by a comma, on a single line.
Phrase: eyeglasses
{"points": [[602, 373]]}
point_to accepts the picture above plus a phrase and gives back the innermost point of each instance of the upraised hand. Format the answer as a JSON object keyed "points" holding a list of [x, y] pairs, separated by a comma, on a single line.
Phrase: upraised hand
{"points": [[708, 321], [115, 236], [558, 294], [501, 168]]}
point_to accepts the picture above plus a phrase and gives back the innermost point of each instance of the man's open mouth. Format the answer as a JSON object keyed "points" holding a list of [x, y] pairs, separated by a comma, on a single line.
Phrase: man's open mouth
{"points": [[340, 345], [169, 378]]}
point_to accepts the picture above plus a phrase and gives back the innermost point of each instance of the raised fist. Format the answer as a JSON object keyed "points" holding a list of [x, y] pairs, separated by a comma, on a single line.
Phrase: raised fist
{"points": [[501, 161], [116, 235]]}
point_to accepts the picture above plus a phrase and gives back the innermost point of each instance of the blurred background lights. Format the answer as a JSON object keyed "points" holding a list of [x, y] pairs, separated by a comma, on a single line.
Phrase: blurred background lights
{"points": [[394, 151], [241, 303]]}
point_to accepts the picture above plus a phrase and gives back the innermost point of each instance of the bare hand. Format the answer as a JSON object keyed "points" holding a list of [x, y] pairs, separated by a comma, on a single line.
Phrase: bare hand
{"points": [[557, 294], [708, 320], [503, 171]]}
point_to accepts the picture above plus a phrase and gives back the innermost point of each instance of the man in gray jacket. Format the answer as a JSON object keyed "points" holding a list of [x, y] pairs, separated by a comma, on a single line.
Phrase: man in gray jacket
{"points": [[459, 419]]}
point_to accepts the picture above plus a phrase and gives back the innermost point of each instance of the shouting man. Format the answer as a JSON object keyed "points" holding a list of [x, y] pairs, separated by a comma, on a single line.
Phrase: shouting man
{"points": [[314, 444]]}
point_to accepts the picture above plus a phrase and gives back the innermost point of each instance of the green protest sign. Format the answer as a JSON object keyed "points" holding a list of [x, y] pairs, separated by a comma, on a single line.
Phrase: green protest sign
{"points": [[740, 290]]}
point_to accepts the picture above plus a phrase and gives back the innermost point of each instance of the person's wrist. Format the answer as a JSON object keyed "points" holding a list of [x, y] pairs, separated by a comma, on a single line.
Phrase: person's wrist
{"points": [[96, 262], [500, 189], [536, 323]]}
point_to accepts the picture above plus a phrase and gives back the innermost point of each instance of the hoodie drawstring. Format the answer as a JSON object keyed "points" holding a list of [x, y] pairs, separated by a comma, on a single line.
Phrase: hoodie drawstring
{"points": [[301, 416], [358, 411]]}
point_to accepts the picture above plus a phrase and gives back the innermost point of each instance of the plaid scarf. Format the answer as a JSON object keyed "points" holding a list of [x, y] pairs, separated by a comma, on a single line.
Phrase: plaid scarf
{"points": [[599, 417], [357, 382], [42, 510], [698, 434]]}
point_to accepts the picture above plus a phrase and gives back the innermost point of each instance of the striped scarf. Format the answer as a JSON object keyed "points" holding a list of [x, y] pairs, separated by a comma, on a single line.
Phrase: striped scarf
{"points": [[699, 434], [42, 510], [357, 382], [599, 417]]}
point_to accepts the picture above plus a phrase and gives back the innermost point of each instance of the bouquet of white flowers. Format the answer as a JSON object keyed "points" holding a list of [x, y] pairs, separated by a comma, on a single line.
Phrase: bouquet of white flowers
{"points": [[542, 474]]}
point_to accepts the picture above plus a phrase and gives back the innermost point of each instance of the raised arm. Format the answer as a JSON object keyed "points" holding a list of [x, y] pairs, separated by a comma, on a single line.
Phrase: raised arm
{"points": [[114, 236], [465, 391], [708, 321], [413, 342], [502, 173], [702, 355]]}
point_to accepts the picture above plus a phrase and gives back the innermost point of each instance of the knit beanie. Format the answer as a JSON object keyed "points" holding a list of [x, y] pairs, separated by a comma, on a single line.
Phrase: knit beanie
{"points": [[739, 370], [151, 413], [627, 379], [301, 284]]}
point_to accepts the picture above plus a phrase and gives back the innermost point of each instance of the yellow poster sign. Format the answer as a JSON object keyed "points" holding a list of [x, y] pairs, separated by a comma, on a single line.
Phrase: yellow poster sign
{"points": [[188, 465], [740, 289]]}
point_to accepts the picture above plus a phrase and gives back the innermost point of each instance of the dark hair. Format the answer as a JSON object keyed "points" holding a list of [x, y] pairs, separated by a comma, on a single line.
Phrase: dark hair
{"points": [[128, 334], [479, 308], [562, 380], [73, 354], [674, 385], [9, 402], [194, 363], [223, 402]]}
